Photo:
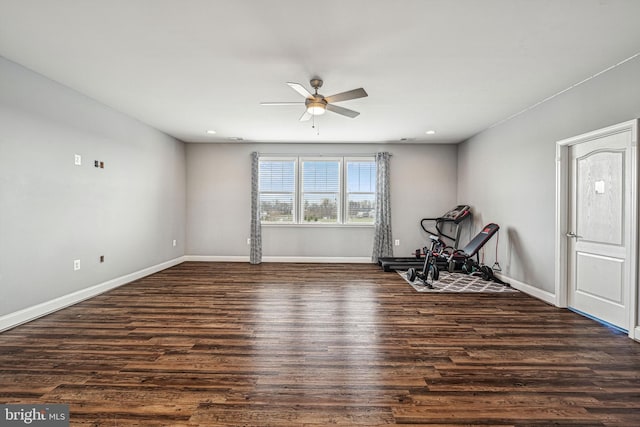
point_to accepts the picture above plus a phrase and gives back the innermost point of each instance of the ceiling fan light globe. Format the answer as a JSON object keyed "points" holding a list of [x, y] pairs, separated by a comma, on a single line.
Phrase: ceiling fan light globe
{"points": [[316, 110]]}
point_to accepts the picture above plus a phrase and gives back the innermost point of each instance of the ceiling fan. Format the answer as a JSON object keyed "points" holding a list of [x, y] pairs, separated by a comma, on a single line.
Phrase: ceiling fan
{"points": [[317, 104]]}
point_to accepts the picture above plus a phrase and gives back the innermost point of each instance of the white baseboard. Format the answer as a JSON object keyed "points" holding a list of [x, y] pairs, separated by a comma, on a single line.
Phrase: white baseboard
{"points": [[28, 314], [636, 333], [314, 259], [216, 258], [545, 296]]}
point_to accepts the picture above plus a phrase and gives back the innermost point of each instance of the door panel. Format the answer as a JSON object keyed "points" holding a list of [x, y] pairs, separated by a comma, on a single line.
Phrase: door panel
{"points": [[600, 189], [590, 268]]}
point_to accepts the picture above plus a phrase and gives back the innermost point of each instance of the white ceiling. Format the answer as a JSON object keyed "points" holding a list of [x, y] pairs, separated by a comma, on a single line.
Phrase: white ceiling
{"points": [[455, 66]]}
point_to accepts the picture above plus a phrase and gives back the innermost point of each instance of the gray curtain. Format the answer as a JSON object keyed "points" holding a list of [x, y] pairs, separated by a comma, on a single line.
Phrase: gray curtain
{"points": [[255, 254], [382, 246]]}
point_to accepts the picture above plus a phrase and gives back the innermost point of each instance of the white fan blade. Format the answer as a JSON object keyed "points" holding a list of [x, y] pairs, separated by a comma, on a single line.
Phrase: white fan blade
{"points": [[282, 103], [341, 110], [305, 116], [300, 89], [345, 96]]}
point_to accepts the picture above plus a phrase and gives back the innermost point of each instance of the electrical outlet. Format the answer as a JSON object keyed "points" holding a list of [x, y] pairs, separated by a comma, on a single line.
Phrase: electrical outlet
{"points": [[175, 242], [76, 264], [77, 160], [397, 242], [248, 240]]}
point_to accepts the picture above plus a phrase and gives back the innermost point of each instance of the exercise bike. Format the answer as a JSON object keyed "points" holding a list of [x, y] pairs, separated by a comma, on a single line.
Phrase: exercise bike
{"points": [[429, 273]]}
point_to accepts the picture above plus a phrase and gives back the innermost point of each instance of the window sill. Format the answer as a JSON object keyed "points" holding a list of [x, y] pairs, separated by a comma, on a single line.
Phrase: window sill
{"points": [[319, 225]]}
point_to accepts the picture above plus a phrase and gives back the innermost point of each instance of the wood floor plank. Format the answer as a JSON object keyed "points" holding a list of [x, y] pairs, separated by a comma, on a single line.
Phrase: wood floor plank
{"points": [[234, 344]]}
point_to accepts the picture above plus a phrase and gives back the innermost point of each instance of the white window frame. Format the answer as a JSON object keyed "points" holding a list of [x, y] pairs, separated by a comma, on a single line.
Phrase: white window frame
{"points": [[345, 192], [301, 192], [298, 199], [295, 187]]}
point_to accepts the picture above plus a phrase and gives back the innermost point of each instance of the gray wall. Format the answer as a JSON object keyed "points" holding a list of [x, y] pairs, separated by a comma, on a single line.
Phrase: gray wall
{"points": [[52, 212], [508, 172], [423, 184]]}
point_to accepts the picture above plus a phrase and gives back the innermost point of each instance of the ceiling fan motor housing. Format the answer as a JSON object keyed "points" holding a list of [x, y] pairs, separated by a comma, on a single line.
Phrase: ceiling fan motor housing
{"points": [[316, 105], [317, 101]]}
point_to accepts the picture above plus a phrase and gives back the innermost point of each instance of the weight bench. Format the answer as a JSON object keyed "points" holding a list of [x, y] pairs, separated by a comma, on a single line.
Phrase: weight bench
{"points": [[463, 259]]}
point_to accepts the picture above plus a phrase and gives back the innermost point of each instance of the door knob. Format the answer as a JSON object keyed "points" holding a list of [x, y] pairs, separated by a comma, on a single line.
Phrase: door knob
{"points": [[574, 235]]}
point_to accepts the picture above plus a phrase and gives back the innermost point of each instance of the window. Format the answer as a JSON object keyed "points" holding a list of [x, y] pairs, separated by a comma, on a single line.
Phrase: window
{"points": [[361, 191], [317, 190], [277, 188], [320, 195]]}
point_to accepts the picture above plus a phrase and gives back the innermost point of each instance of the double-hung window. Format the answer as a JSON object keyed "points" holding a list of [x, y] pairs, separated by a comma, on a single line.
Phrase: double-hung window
{"points": [[360, 194], [277, 186], [317, 190], [320, 190]]}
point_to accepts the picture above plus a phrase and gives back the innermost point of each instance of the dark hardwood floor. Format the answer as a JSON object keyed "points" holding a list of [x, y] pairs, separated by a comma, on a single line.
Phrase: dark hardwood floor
{"points": [[314, 345]]}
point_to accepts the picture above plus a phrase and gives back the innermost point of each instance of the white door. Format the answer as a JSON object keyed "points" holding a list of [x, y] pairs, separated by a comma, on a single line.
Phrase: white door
{"points": [[599, 227]]}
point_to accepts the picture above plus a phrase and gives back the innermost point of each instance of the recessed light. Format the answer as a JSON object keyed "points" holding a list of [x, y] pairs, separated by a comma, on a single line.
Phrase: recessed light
{"points": [[430, 132], [211, 132]]}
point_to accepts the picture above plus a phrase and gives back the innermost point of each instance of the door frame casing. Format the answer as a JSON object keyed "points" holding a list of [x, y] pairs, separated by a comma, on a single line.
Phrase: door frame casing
{"points": [[562, 217]]}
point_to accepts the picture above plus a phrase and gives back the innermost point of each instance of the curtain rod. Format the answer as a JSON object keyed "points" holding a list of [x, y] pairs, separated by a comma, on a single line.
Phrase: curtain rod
{"points": [[320, 154]]}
